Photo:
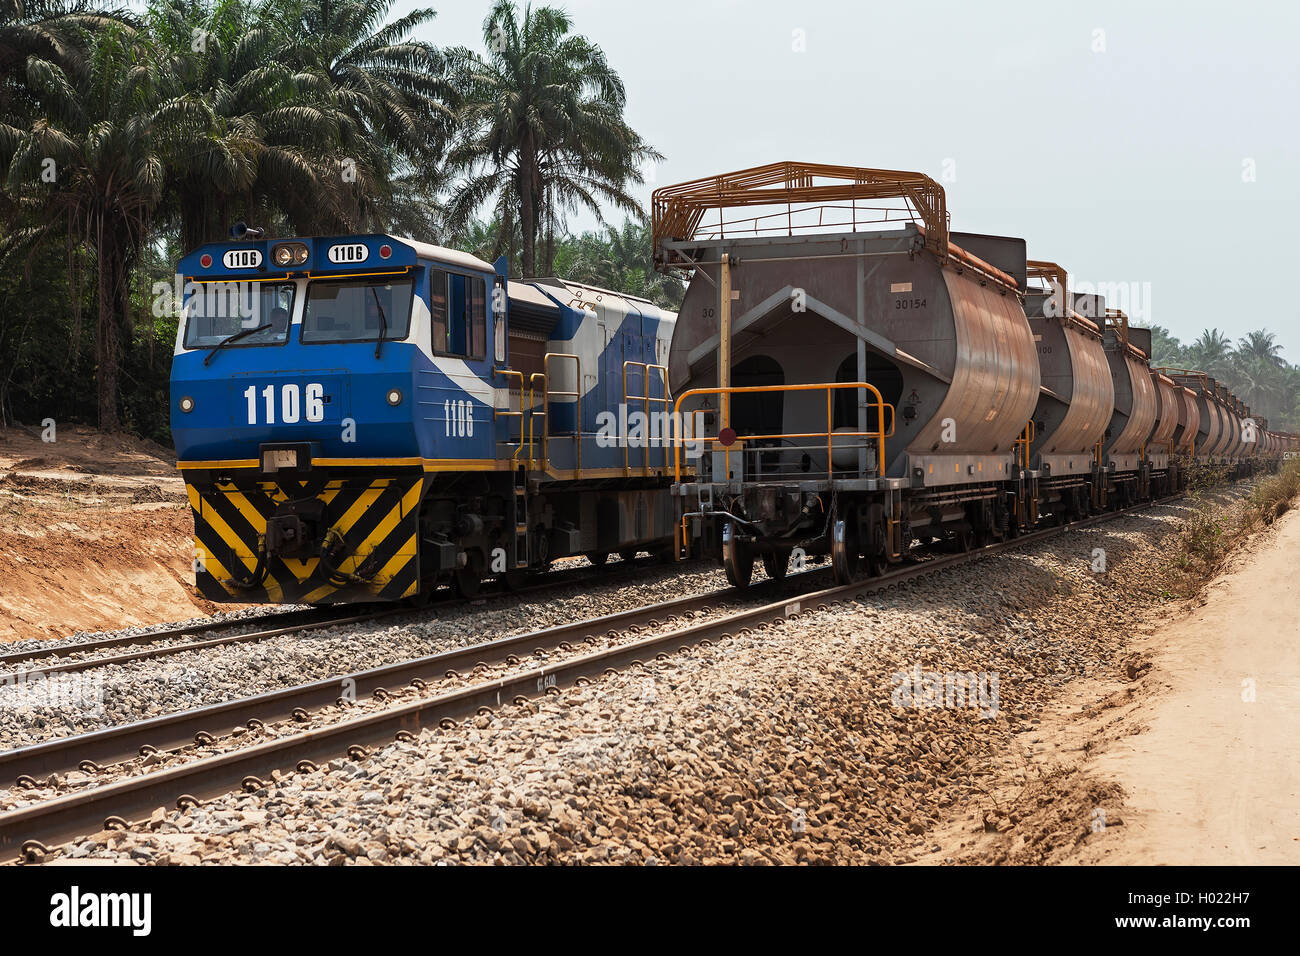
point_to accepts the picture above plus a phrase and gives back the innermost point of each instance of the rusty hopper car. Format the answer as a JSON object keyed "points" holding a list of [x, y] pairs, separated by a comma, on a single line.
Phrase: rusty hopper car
{"points": [[851, 391], [1132, 419], [1075, 400]]}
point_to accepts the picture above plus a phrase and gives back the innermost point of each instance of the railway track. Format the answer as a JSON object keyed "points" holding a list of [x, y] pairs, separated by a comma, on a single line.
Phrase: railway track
{"points": [[31, 830], [304, 621]]}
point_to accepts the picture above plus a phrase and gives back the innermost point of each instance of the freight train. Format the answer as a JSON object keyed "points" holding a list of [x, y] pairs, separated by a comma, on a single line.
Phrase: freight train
{"points": [[370, 417], [866, 389]]}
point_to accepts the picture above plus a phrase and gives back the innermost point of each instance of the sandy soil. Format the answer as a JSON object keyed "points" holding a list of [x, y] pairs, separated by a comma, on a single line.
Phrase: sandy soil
{"points": [[1185, 754], [95, 534]]}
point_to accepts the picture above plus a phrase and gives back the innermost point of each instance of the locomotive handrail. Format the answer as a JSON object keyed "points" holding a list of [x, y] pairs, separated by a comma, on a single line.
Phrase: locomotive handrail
{"points": [[532, 402], [646, 399], [576, 395], [525, 395], [879, 435]]}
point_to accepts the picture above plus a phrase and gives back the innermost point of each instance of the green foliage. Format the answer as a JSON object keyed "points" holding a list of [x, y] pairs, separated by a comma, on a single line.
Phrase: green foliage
{"points": [[1210, 532], [128, 139], [541, 132], [1254, 370]]}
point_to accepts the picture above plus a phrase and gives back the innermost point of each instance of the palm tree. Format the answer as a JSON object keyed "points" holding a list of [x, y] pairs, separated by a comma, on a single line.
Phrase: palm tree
{"points": [[622, 260], [1212, 353], [1261, 345], [394, 106], [542, 129], [256, 141], [92, 164]]}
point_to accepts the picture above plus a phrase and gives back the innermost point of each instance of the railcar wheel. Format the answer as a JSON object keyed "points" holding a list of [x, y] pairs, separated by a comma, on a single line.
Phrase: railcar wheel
{"points": [[877, 550], [598, 558], [515, 579], [845, 548], [737, 558], [629, 554], [775, 564], [963, 540]]}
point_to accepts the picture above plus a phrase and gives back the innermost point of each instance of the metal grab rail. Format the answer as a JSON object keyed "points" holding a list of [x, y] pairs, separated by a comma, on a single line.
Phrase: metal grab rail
{"points": [[879, 435], [646, 399], [527, 394], [576, 394], [1025, 439], [544, 461]]}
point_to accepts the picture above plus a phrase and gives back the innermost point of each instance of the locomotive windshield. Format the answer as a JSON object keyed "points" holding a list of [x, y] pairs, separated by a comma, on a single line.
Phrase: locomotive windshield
{"points": [[352, 310], [215, 311]]}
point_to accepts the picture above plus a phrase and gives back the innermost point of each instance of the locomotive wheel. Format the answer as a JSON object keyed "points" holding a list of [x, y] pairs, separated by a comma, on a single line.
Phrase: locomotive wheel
{"points": [[628, 554], [737, 558], [598, 558], [877, 550], [515, 579], [962, 540], [466, 582], [845, 548], [776, 564]]}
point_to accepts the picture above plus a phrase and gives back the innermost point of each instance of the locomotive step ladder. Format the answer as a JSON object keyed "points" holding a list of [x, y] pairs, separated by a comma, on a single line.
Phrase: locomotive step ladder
{"points": [[521, 517]]}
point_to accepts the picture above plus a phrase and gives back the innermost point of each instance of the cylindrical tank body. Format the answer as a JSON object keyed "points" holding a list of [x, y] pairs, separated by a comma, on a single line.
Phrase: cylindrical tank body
{"points": [[1216, 448], [1136, 404], [950, 349], [1077, 394], [1189, 420], [1167, 417]]}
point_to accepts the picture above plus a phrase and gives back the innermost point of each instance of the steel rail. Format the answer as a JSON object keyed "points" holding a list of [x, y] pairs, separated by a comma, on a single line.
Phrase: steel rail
{"points": [[552, 579], [172, 732], [28, 829]]}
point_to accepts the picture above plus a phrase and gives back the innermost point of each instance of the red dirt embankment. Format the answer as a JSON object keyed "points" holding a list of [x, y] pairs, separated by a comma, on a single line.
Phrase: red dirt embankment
{"points": [[95, 534]]}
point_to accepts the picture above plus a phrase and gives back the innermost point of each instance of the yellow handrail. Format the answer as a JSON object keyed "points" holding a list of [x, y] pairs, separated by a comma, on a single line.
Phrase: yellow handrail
{"points": [[879, 435], [1026, 438], [545, 461], [576, 394], [646, 399]]}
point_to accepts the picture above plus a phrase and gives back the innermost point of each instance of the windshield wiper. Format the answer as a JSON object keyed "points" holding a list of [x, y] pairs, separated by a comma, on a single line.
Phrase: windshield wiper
{"points": [[383, 322], [233, 338]]}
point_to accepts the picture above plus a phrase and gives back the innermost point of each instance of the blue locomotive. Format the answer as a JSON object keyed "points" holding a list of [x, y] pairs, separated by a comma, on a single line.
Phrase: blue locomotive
{"points": [[367, 417]]}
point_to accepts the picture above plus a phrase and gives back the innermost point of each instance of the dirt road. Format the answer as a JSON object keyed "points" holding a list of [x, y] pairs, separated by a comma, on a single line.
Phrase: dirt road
{"points": [[1215, 776]]}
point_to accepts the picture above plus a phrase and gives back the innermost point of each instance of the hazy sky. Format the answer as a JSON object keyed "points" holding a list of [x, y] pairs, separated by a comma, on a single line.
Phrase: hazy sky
{"points": [[1118, 138]]}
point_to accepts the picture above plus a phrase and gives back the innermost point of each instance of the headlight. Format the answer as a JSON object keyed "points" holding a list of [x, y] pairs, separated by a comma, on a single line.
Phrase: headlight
{"points": [[289, 254], [187, 404], [394, 396]]}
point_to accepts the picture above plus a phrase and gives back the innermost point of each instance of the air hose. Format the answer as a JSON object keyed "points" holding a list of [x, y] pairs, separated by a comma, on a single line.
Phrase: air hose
{"points": [[259, 572], [333, 542]]}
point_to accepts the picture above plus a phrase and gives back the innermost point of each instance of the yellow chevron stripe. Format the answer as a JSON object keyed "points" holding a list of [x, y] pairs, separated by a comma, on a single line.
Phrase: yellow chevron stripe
{"points": [[319, 593], [404, 556], [302, 569], [251, 514], [359, 507], [402, 509], [227, 534]]}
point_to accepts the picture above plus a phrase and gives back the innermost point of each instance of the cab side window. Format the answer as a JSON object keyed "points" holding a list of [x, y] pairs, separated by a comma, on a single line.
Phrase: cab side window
{"points": [[459, 307]]}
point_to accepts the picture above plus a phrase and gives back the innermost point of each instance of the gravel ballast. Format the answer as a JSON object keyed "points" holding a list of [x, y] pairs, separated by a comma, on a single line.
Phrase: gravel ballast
{"points": [[842, 735]]}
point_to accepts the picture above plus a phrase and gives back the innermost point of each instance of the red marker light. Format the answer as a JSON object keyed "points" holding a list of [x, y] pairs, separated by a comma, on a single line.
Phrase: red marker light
{"points": [[385, 251], [727, 437], [205, 260]]}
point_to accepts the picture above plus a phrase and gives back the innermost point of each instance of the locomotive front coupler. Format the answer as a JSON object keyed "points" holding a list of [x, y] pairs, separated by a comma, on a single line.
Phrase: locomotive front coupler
{"points": [[296, 528]]}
